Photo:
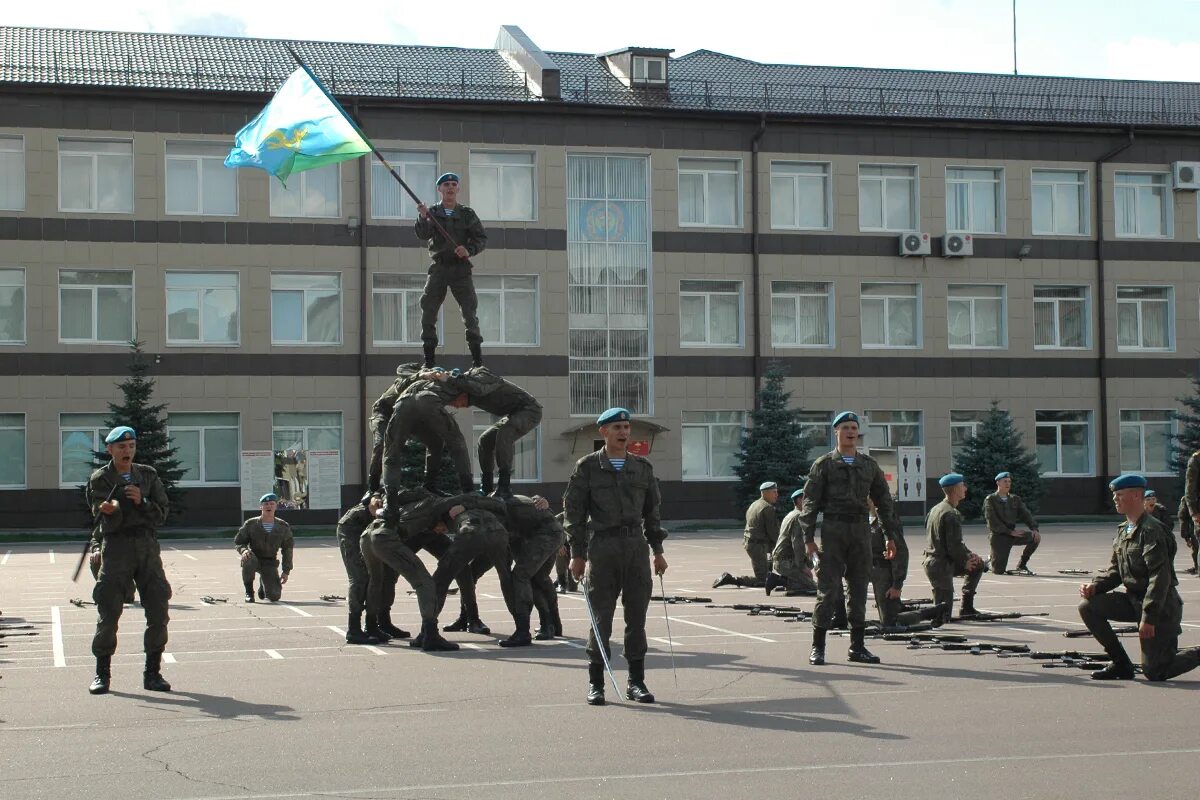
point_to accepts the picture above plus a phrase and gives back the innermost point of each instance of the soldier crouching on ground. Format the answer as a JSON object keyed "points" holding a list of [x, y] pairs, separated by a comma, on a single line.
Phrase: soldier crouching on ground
{"points": [[259, 543], [758, 539], [946, 555], [791, 568]]}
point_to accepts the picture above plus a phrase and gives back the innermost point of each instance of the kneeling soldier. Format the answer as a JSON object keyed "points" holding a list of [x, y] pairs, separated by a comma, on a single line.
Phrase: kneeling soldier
{"points": [[946, 555], [259, 542]]}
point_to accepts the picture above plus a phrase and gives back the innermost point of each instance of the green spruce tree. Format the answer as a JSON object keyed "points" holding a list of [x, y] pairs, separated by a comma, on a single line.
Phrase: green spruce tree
{"points": [[996, 447], [1187, 441], [147, 419], [774, 448], [412, 468]]}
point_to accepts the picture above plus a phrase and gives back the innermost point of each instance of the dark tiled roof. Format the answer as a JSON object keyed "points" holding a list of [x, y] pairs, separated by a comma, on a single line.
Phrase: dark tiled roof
{"points": [[703, 80]]}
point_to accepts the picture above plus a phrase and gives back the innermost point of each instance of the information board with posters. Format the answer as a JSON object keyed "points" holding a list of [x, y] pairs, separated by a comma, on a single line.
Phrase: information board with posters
{"points": [[910, 480], [324, 479], [257, 476]]}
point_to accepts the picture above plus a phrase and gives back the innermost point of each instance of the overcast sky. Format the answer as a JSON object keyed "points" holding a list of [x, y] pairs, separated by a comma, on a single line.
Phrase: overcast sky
{"points": [[1147, 39]]}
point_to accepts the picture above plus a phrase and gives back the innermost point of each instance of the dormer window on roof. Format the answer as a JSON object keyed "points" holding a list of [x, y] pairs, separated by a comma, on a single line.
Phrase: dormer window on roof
{"points": [[638, 66]]}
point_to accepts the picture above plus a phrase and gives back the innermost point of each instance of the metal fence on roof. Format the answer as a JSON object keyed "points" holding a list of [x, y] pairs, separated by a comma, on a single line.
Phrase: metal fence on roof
{"points": [[450, 82]]}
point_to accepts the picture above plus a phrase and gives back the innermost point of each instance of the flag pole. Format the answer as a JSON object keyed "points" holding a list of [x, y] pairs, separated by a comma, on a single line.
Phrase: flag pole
{"points": [[369, 143]]}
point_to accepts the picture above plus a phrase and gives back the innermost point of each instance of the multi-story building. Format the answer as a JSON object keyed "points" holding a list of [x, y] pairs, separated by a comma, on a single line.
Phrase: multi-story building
{"points": [[660, 229]]}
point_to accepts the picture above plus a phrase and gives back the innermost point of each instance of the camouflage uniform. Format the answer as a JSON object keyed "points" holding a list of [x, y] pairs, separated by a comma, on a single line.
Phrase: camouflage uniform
{"points": [[448, 271], [420, 412], [613, 522], [350, 529], [758, 540], [1141, 563], [946, 555], [1187, 531], [840, 491], [536, 537], [789, 557], [264, 548], [891, 574], [381, 415], [1002, 516], [129, 554]]}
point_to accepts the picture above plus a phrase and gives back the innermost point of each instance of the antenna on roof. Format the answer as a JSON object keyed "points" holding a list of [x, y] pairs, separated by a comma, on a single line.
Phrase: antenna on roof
{"points": [[1014, 16]]}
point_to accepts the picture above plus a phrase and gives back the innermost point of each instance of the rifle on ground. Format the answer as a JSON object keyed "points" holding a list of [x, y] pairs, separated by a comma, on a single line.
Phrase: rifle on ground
{"points": [[678, 598], [924, 637], [22, 633], [760, 608], [87, 546], [1075, 663], [911, 605], [974, 648], [1057, 655], [330, 598], [75, 601], [1083, 634], [876, 631], [1074, 572], [210, 600], [996, 616]]}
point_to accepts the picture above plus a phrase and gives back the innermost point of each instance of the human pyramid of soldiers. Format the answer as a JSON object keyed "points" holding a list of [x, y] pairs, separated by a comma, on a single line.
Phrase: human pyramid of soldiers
{"points": [[610, 524]]}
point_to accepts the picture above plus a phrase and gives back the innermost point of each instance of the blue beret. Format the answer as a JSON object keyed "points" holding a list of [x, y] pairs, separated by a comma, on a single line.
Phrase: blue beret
{"points": [[1150, 493], [798, 493], [269, 497], [845, 416], [1128, 481], [1002, 475], [950, 479], [762, 487], [120, 434], [613, 415], [448, 176]]}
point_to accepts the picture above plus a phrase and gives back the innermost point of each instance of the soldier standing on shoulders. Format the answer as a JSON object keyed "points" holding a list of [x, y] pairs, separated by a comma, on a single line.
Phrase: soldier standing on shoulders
{"points": [[613, 525], [839, 484], [129, 554]]}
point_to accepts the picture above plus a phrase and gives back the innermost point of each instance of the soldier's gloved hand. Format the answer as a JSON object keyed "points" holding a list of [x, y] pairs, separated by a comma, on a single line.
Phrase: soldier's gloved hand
{"points": [[578, 565]]}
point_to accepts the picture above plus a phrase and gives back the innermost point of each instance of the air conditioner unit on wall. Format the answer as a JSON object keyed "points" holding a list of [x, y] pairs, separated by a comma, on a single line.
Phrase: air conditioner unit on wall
{"points": [[956, 245], [915, 244], [1185, 175]]}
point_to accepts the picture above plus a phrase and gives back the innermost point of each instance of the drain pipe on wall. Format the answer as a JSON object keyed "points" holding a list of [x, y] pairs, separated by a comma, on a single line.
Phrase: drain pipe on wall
{"points": [[1102, 326], [755, 280]]}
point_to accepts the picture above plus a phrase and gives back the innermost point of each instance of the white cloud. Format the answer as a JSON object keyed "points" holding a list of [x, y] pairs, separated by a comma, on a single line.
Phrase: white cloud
{"points": [[1145, 58]]}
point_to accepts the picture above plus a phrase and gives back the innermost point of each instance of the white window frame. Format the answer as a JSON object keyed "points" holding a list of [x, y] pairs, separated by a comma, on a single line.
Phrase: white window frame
{"points": [[796, 179], [914, 197], [1168, 220], [504, 292], [1084, 211], [1173, 427], [24, 428], [973, 300], [1170, 301], [475, 167], [403, 163], [417, 289], [1086, 298], [738, 213], [95, 308], [304, 342], [708, 427], [707, 296], [875, 424], [201, 342], [1000, 198], [972, 425], [201, 429], [919, 314], [22, 180], [1057, 425], [98, 433], [93, 206], [303, 177], [198, 160], [305, 432], [24, 286], [814, 420], [830, 311], [644, 63]]}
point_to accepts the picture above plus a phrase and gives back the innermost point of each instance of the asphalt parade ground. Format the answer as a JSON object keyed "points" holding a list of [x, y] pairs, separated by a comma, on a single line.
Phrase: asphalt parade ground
{"points": [[269, 702]]}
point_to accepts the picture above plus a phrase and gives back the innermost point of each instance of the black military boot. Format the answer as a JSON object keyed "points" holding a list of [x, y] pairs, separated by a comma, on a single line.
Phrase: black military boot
{"points": [[476, 353], [1121, 668], [968, 605], [385, 625], [373, 630], [725, 580], [545, 631], [466, 483], [354, 631], [250, 592], [503, 489], [520, 637], [936, 615], [478, 627], [432, 641], [152, 679], [774, 581], [636, 689], [485, 483], [858, 648], [430, 349], [595, 695], [262, 593], [459, 625], [556, 619], [816, 656], [103, 675]]}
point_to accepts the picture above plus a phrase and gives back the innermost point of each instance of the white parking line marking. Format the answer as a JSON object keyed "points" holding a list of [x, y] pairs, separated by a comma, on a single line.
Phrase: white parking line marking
{"points": [[168, 658], [185, 555], [299, 611], [273, 654], [4, 561], [51, 556], [722, 630], [60, 659]]}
